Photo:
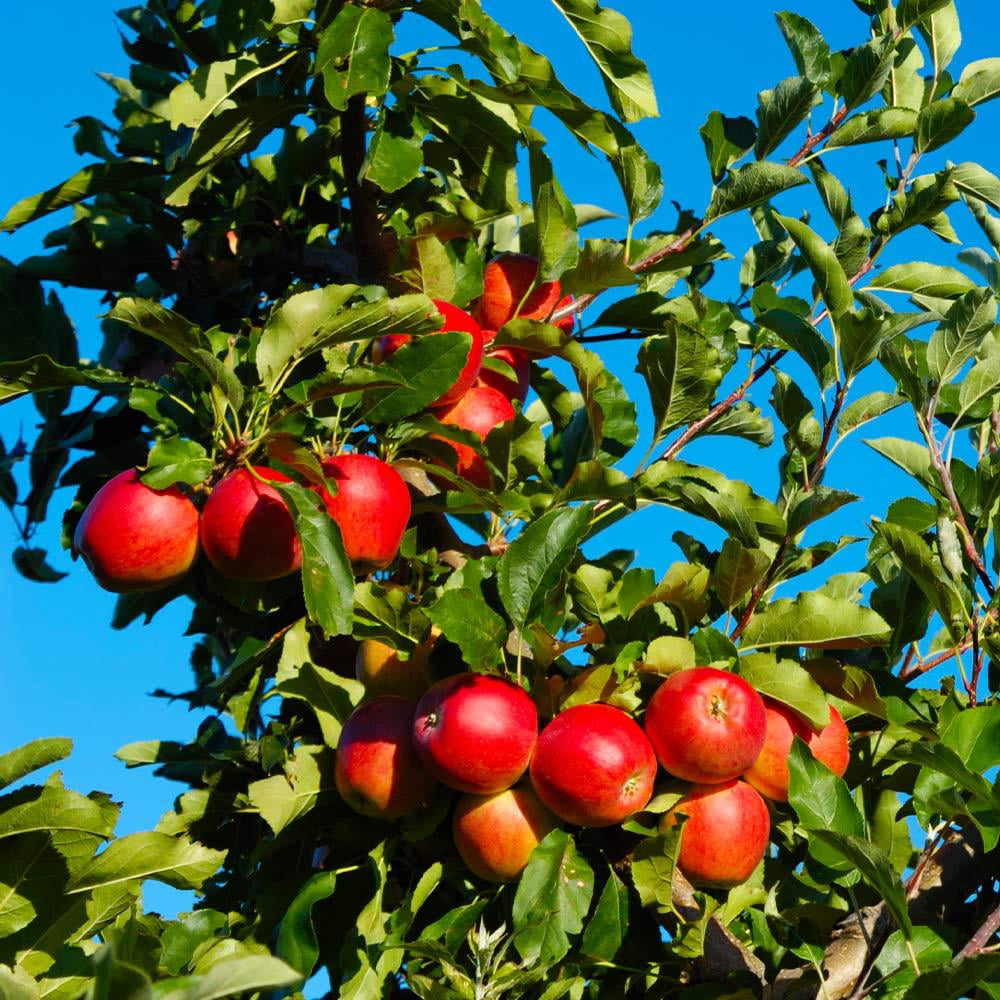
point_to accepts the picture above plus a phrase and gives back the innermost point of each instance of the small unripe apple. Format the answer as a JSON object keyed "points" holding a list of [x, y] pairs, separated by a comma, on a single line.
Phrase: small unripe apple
{"points": [[593, 766], [453, 320], [506, 281], [725, 834], [135, 538], [247, 531], [475, 732], [377, 771], [383, 671], [513, 388], [706, 725], [769, 773], [480, 410], [371, 507], [495, 834]]}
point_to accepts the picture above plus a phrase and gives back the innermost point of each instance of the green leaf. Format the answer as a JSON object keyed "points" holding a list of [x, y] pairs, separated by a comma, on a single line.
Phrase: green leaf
{"points": [[98, 178], [787, 682], [51, 808], [803, 338], [359, 36], [815, 621], [607, 36], [468, 621], [236, 975], [175, 460], [979, 82], [780, 110], [940, 122], [395, 153], [182, 336], [821, 800], [866, 71], [971, 178], [31, 757], [874, 126], [943, 35], [736, 570], [831, 280], [424, 369], [982, 382], [807, 45], [866, 409], [608, 927], [959, 335], [653, 863], [911, 12], [726, 141], [750, 185], [535, 561], [813, 506], [922, 278], [210, 87], [552, 899], [41, 374], [682, 372], [327, 578], [226, 136], [875, 868], [292, 325], [957, 978], [174, 861], [555, 218], [945, 761], [974, 734], [284, 798]]}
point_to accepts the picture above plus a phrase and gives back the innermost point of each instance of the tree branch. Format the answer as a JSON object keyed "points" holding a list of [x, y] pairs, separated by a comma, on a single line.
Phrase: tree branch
{"points": [[814, 140], [722, 407], [366, 227]]}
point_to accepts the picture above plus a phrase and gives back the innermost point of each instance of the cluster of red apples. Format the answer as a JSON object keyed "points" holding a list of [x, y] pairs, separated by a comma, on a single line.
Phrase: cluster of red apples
{"points": [[135, 538], [590, 766]]}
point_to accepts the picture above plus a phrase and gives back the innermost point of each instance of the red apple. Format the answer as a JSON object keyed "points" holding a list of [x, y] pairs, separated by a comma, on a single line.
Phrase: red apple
{"points": [[769, 773], [507, 279], [454, 320], [247, 532], [480, 410], [135, 538], [725, 834], [371, 508], [495, 834], [593, 766], [377, 770], [475, 732], [512, 388], [706, 725]]}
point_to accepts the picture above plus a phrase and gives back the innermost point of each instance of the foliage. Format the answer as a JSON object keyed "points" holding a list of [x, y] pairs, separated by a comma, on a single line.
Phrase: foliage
{"points": [[281, 185]]}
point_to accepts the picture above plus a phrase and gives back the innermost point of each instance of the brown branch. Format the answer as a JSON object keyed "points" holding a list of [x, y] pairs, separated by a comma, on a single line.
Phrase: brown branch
{"points": [[366, 227], [822, 456], [944, 474], [981, 938], [760, 588], [814, 140], [722, 407]]}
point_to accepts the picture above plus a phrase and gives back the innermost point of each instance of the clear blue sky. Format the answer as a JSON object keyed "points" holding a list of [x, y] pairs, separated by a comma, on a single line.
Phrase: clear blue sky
{"points": [[68, 673]]}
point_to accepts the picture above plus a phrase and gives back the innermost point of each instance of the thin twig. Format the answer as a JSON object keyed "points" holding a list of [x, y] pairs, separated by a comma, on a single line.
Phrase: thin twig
{"points": [[814, 140], [979, 940]]}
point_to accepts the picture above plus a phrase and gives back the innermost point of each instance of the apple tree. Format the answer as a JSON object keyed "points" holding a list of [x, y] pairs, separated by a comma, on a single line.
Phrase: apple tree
{"points": [[351, 408]]}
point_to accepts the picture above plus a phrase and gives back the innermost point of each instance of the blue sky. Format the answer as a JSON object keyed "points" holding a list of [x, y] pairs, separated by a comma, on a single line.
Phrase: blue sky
{"points": [[68, 673]]}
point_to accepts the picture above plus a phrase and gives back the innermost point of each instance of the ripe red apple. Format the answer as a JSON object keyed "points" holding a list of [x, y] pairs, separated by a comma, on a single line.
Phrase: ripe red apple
{"points": [[769, 773], [495, 834], [475, 732], [512, 388], [506, 281], [480, 410], [247, 531], [725, 834], [371, 508], [706, 725], [454, 320], [383, 671], [593, 766], [134, 538], [377, 770]]}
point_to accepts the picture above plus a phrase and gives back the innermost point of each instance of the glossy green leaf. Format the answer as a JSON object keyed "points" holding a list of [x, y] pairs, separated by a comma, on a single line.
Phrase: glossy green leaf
{"points": [[942, 121], [874, 126], [466, 620], [750, 185], [359, 36], [815, 621], [608, 926], [781, 110], [828, 272], [31, 757], [809, 49], [789, 683], [979, 82]]}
